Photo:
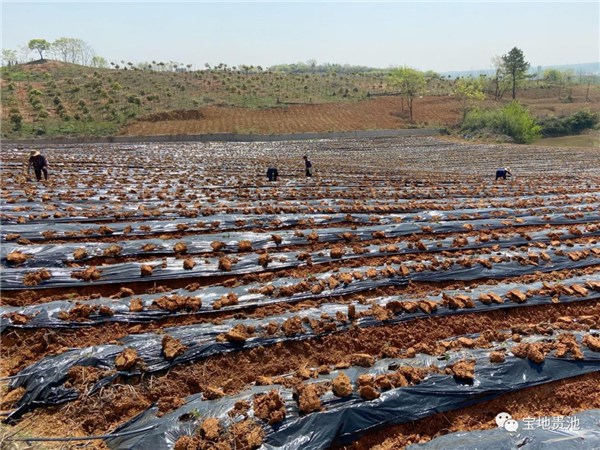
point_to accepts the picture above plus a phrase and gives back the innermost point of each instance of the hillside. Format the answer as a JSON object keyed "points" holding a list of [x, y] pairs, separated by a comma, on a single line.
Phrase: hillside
{"points": [[51, 98]]}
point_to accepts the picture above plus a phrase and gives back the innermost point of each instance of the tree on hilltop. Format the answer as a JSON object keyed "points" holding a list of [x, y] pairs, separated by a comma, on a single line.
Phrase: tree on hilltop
{"points": [[72, 50], [515, 67], [39, 45]]}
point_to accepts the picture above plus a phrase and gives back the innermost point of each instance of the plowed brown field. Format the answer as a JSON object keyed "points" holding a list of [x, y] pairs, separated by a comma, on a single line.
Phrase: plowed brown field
{"points": [[374, 114], [378, 113]]}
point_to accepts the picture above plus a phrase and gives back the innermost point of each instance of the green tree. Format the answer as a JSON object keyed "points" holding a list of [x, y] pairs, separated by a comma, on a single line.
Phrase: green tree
{"points": [[515, 67], [411, 83], [468, 91], [39, 45], [99, 62]]}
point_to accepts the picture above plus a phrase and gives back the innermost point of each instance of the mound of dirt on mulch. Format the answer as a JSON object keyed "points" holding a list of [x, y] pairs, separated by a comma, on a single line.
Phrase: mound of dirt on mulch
{"points": [[126, 359], [238, 333], [136, 305], [172, 347], [17, 258], [269, 407], [16, 318], [35, 278], [81, 311], [112, 251], [229, 299], [464, 370], [89, 274], [188, 264], [592, 342], [80, 253], [178, 303], [308, 398], [210, 429], [341, 385], [366, 387], [292, 326]]}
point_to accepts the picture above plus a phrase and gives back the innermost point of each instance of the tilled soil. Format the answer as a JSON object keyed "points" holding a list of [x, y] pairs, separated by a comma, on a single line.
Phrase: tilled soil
{"points": [[377, 113], [409, 182]]}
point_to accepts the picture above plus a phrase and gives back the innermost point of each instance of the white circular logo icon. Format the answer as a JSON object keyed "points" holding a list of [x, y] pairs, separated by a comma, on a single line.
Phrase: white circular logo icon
{"points": [[502, 418], [511, 425]]}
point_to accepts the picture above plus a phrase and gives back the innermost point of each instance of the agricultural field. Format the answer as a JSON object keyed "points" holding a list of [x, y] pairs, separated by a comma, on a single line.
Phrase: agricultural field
{"points": [[168, 296]]}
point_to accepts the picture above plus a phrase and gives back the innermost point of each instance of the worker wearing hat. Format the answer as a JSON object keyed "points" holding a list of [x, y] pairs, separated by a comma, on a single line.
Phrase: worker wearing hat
{"points": [[39, 164], [503, 173]]}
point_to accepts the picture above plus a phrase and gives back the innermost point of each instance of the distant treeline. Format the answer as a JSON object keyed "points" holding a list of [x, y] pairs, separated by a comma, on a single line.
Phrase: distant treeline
{"points": [[311, 66]]}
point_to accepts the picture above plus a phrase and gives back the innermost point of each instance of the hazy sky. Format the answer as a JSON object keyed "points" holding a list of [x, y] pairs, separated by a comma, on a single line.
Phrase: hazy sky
{"points": [[438, 36]]}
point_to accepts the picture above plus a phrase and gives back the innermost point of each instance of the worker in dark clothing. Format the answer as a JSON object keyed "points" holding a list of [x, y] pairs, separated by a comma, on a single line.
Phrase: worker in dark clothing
{"points": [[272, 173], [308, 166], [39, 164], [503, 173]]}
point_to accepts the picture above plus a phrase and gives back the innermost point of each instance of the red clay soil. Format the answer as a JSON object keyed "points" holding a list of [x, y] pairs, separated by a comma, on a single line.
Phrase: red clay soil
{"points": [[377, 113]]}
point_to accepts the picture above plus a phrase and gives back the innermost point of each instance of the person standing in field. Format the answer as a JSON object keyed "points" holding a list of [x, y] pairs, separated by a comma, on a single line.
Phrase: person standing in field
{"points": [[39, 164], [308, 166]]}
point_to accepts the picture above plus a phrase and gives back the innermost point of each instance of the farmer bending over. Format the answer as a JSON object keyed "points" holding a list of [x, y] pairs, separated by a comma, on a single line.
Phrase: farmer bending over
{"points": [[503, 173], [39, 163]]}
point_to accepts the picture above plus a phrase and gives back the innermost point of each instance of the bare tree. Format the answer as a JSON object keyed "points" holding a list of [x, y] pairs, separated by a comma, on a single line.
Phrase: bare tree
{"points": [[24, 52], [60, 48], [73, 50], [86, 52], [497, 65]]}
